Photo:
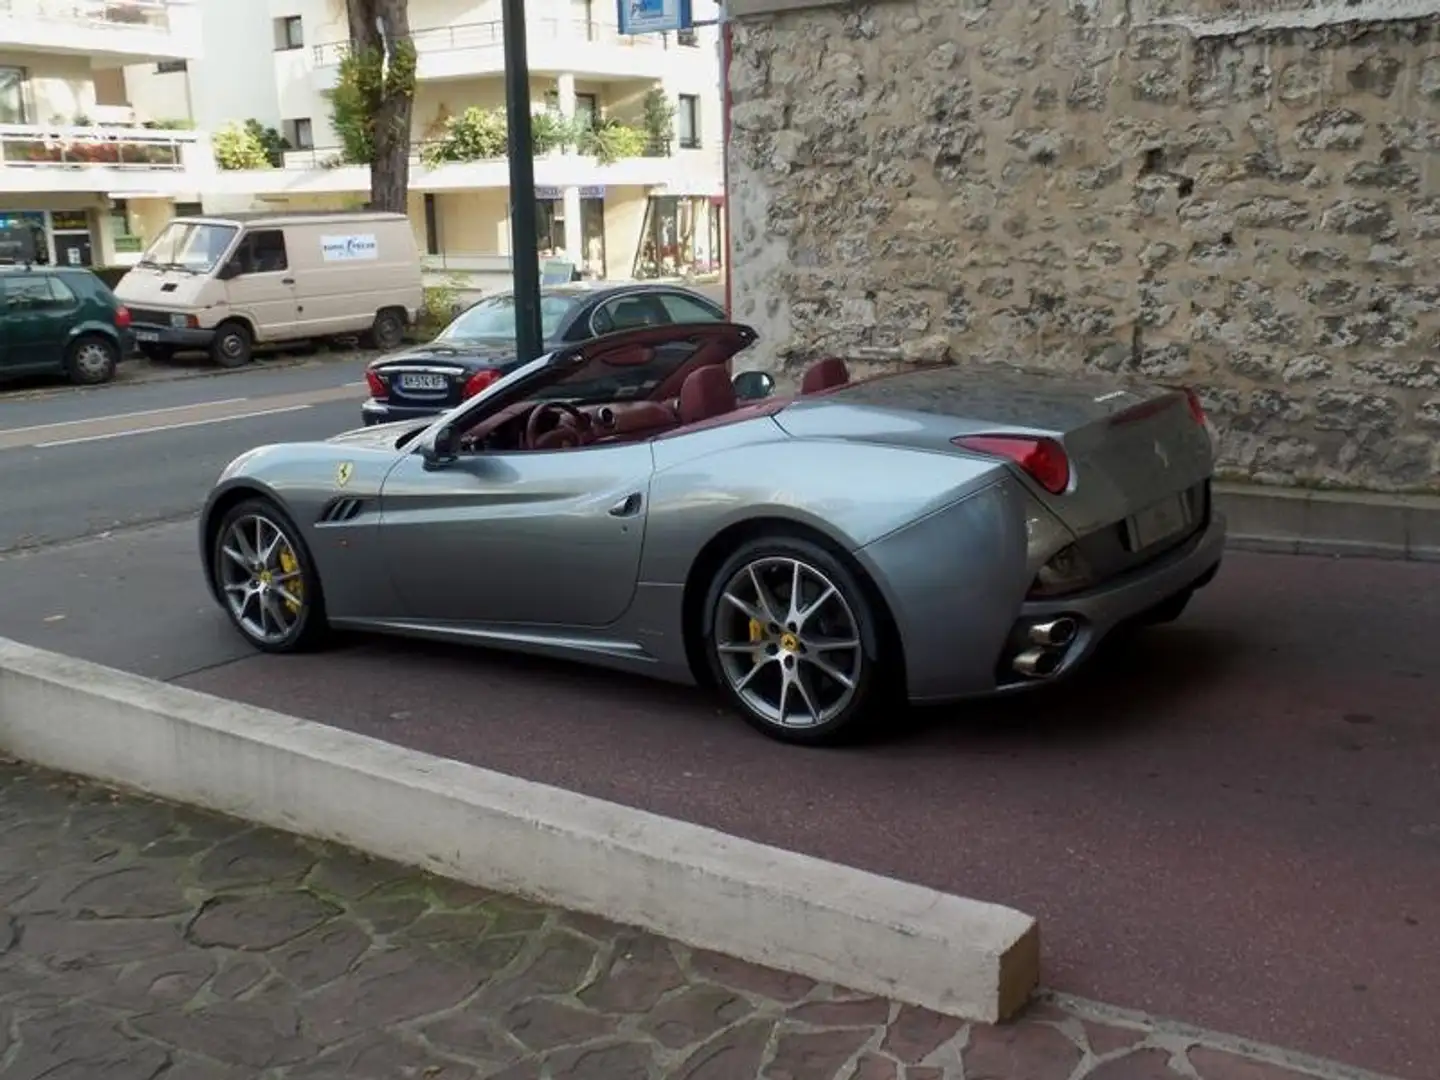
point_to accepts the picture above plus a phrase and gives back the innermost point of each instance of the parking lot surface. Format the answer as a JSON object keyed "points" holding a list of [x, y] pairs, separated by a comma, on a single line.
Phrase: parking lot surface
{"points": [[143, 941], [1236, 822]]}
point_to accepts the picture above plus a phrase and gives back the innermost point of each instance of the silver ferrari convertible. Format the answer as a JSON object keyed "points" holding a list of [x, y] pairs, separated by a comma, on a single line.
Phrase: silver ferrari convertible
{"points": [[946, 533]]}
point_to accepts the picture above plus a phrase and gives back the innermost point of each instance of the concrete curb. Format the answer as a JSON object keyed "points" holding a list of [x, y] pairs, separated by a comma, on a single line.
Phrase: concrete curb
{"points": [[961, 957], [1295, 521]]}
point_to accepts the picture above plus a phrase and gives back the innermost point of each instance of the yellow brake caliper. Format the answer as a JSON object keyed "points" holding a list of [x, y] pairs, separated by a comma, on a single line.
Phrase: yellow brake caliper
{"points": [[294, 586], [757, 631]]}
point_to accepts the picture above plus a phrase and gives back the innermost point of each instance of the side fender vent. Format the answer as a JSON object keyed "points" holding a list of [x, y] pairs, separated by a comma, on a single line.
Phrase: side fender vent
{"points": [[339, 511]]}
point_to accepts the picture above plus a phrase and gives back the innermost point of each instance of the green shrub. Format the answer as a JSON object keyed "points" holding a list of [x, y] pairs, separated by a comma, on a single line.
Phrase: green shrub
{"points": [[238, 147], [611, 141]]}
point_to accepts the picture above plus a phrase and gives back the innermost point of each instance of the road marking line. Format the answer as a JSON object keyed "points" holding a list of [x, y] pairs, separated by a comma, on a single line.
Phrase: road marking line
{"points": [[122, 416], [169, 427]]}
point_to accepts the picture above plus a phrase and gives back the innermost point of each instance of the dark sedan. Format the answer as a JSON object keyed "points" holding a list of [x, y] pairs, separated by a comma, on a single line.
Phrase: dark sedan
{"points": [[478, 346]]}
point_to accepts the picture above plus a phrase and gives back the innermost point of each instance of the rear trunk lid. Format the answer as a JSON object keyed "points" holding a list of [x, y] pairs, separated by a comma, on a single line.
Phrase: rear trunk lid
{"points": [[1134, 450], [434, 376]]}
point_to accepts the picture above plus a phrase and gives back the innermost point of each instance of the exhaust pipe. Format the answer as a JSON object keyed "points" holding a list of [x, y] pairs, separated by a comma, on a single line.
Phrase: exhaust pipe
{"points": [[1038, 663], [1057, 633]]}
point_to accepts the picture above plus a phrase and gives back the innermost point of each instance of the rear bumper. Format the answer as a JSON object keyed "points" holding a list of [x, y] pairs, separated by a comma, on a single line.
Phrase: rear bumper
{"points": [[1096, 614], [171, 337], [382, 412]]}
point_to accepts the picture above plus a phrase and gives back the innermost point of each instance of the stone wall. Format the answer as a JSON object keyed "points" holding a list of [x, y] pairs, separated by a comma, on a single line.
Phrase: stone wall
{"points": [[1243, 195]]}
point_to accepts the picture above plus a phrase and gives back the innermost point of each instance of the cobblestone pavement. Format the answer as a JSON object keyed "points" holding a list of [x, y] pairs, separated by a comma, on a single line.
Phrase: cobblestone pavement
{"points": [[140, 940]]}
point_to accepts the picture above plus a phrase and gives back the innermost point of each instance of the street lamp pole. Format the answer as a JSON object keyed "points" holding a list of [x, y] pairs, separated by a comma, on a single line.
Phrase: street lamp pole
{"points": [[524, 248]]}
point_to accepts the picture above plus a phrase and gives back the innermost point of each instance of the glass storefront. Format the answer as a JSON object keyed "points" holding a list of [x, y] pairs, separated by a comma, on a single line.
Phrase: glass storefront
{"points": [[679, 237], [550, 228]]}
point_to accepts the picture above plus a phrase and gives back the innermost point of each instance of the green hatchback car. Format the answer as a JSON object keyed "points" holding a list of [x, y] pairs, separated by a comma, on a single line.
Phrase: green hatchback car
{"points": [[63, 321]]}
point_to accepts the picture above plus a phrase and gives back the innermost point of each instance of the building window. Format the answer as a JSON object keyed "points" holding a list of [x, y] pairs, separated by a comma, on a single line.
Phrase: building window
{"points": [[300, 133], [587, 111], [289, 34], [12, 96], [171, 67], [687, 122], [189, 209]]}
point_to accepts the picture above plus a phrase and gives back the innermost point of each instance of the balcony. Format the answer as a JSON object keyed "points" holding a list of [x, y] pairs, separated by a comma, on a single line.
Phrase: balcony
{"points": [[120, 160], [112, 32], [322, 171], [471, 50]]}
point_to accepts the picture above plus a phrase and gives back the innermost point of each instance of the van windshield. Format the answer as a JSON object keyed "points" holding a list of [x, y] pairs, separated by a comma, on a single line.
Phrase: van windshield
{"points": [[189, 245]]}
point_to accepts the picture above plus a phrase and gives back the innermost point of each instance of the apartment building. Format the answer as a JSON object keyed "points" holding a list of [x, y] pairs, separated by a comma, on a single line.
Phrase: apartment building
{"points": [[82, 177], [648, 204]]}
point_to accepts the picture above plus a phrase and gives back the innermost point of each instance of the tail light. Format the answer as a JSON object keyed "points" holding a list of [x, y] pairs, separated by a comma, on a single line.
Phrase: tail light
{"points": [[479, 381], [377, 385], [1197, 407], [1044, 459], [122, 318]]}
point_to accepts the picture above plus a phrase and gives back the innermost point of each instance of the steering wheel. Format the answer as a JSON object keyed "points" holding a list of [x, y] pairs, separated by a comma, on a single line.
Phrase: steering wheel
{"points": [[532, 425]]}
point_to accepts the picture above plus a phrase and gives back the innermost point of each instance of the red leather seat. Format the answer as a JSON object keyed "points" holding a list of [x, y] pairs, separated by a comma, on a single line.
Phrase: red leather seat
{"points": [[705, 394], [824, 375]]}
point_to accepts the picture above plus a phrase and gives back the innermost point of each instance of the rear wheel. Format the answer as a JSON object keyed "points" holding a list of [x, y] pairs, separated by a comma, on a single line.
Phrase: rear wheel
{"points": [[91, 360], [232, 345], [266, 579], [387, 333], [785, 639]]}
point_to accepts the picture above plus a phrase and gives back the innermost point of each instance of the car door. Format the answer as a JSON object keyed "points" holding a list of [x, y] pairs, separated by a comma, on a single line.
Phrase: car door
{"points": [[38, 313], [683, 308], [541, 537], [261, 285]]}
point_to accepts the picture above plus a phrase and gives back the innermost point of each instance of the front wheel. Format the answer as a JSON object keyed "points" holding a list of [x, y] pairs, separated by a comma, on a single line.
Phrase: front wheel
{"points": [[792, 640], [266, 579], [387, 333], [232, 345]]}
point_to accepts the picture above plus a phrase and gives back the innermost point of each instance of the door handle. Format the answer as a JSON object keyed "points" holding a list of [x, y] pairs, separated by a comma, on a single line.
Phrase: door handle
{"points": [[287, 281], [627, 507]]}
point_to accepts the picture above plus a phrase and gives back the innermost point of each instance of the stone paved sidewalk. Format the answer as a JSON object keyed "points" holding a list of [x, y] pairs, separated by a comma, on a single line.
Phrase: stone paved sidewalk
{"points": [[140, 940]]}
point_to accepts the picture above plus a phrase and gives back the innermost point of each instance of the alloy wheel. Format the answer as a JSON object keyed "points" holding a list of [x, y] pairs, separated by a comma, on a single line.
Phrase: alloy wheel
{"points": [[261, 578], [788, 642]]}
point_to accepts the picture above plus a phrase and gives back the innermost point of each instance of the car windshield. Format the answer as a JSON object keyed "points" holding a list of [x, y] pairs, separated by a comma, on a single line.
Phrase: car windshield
{"points": [[493, 319], [189, 245]]}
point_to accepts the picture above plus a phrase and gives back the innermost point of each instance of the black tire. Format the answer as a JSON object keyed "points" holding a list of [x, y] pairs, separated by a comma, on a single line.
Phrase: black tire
{"points": [[91, 360], [387, 333], [869, 670], [310, 627], [232, 346], [159, 354]]}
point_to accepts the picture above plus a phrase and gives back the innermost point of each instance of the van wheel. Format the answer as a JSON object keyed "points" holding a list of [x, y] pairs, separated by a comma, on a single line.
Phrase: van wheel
{"points": [[91, 360], [231, 347], [387, 332]]}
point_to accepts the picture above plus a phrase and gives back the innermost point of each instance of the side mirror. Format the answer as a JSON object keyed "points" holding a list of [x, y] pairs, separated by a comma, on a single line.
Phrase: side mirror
{"points": [[753, 385], [443, 449]]}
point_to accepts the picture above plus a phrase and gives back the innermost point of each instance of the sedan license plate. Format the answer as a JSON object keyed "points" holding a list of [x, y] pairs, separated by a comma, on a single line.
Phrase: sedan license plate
{"points": [[1158, 522], [412, 380], [146, 335]]}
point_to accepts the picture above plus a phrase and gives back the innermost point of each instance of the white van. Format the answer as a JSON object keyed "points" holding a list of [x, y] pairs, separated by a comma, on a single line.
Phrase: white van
{"points": [[228, 282]]}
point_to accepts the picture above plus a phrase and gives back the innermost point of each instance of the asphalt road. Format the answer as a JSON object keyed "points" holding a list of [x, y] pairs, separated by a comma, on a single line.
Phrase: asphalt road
{"points": [[1237, 823], [74, 465]]}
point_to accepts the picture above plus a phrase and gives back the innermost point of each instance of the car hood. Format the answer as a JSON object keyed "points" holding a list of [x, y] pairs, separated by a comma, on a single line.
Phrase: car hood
{"points": [[378, 436], [469, 352]]}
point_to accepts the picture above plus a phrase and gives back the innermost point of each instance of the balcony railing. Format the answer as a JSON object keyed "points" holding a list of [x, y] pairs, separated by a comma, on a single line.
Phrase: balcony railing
{"points": [[109, 14], [333, 157], [29, 146], [482, 35]]}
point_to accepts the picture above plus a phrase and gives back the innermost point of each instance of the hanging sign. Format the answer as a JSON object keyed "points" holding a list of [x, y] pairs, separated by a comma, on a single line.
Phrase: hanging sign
{"points": [[653, 16]]}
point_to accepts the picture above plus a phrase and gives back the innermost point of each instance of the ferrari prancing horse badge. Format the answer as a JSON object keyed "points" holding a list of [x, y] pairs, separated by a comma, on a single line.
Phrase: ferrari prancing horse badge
{"points": [[342, 473]]}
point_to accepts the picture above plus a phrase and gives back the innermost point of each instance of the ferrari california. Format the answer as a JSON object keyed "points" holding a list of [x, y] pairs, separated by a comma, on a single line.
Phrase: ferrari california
{"points": [[818, 557]]}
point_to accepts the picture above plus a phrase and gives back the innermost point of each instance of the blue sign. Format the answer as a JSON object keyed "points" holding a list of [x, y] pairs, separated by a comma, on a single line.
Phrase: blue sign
{"points": [[653, 16]]}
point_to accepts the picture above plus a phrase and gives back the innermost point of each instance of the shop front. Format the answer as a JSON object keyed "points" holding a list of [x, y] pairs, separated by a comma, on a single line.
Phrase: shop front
{"points": [[682, 235], [59, 237], [550, 227]]}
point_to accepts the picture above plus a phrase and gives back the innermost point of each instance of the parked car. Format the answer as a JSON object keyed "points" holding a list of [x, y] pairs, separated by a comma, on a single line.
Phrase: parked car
{"points": [[478, 346], [63, 321], [941, 534], [223, 284]]}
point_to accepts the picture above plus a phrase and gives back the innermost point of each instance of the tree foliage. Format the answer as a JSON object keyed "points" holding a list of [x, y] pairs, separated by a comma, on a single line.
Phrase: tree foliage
{"points": [[238, 147], [479, 134], [659, 121]]}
